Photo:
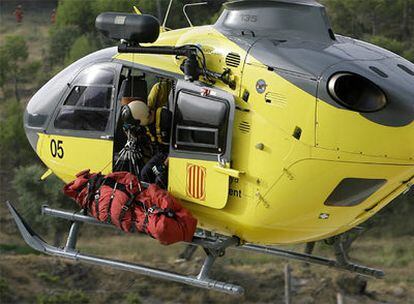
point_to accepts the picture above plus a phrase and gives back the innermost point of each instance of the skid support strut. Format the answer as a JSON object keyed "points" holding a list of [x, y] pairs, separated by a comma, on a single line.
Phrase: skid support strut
{"points": [[70, 252], [206, 241], [214, 246], [341, 262]]}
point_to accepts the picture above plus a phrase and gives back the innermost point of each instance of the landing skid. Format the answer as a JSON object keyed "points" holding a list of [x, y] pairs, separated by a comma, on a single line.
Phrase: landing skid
{"points": [[214, 246]]}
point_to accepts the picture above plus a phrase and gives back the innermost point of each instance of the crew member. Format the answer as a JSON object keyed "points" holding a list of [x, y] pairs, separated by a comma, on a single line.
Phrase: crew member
{"points": [[159, 94], [157, 124]]}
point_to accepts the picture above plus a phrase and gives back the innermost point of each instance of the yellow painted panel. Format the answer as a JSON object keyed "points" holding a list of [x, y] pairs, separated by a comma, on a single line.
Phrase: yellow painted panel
{"points": [[198, 181], [290, 211], [349, 131], [288, 106], [66, 156]]}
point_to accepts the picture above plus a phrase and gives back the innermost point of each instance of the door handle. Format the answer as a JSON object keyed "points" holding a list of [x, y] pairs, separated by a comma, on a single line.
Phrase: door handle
{"points": [[109, 137], [227, 171]]}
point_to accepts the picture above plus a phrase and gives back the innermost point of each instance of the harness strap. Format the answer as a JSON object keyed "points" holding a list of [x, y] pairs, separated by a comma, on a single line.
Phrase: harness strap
{"points": [[126, 207], [133, 227], [97, 195], [93, 184], [109, 219], [146, 220], [110, 182], [158, 125], [152, 138]]}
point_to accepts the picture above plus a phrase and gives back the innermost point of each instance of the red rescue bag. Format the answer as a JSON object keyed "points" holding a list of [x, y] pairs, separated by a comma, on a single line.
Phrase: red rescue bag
{"points": [[106, 198], [162, 216], [117, 199]]}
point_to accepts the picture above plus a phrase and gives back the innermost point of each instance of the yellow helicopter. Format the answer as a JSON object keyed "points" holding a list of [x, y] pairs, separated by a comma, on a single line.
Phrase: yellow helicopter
{"points": [[282, 133]]}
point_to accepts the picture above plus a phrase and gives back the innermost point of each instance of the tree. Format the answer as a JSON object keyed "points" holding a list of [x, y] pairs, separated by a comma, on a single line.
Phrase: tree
{"points": [[4, 68], [33, 193], [76, 13], [15, 150], [386, 23], [390, 44], [100, 6], [82, 46], [61, 39], [13, 54]]}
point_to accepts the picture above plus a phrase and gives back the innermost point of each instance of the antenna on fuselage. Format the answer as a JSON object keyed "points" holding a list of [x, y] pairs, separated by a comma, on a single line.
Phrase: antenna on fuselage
{"points": [[188, 5], [167, 13]]}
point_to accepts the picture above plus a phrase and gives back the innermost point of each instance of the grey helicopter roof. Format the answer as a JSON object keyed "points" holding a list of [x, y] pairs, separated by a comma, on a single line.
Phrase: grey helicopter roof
{"points": [[259, 3]]}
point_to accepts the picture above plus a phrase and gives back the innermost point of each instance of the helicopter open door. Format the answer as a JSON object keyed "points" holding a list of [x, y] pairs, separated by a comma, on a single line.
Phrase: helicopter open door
{"points": [[200, 151]]}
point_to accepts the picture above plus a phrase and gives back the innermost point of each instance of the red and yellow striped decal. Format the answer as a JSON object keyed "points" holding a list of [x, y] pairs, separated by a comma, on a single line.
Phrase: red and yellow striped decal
{"points": [[196, 182]]}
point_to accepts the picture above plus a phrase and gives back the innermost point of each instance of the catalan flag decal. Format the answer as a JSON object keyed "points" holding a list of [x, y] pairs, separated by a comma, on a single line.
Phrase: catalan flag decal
{"points": [[196, 182]]}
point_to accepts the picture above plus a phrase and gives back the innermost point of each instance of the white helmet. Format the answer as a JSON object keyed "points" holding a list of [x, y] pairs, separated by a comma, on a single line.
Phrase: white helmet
{"points": [[140, 112]]}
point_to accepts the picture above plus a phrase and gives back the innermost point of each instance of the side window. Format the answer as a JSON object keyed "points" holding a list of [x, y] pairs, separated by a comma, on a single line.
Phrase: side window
{"points": [[89, 103], [200, 124]]}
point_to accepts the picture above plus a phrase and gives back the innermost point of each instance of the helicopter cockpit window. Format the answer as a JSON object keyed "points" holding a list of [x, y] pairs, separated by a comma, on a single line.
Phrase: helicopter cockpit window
{"points": [[89, 103], [96, 75], [93, 97]]}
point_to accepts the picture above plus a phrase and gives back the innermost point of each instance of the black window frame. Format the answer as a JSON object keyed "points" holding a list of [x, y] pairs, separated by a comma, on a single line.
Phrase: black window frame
{"points": [[202, 150], [108, 133]]}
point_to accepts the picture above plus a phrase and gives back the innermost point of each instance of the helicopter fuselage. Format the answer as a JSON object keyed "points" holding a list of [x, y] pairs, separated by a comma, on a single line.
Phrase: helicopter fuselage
{"points": [[305, 155]]}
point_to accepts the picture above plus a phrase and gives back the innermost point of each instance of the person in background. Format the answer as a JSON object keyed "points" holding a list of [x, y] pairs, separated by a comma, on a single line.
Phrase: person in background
{"points": [[53, 17], [18, 13]]}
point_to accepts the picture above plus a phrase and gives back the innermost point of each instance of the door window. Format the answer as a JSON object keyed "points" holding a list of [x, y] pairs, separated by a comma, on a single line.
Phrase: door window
{"points": [[200, 123]]}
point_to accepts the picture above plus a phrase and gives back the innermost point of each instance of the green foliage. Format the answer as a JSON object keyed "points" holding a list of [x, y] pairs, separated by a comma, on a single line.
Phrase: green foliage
{"points": [[409, 54], [68, 297], [389, 24], [17, 249], [4, 67], [13, 56], [15, 48], [32, 193], [31, 71], [6, 294], [82, 46], [392, 220], [76, 13], [132, 298], [390, 44], [15, 150], [60, 42], [47, 277], [99, 6]]}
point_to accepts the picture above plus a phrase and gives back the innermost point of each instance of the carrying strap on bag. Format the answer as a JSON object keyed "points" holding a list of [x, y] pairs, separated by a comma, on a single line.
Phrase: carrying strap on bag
{"points": [[168, 212], [126, 207], [111, 199], [94, 183]]}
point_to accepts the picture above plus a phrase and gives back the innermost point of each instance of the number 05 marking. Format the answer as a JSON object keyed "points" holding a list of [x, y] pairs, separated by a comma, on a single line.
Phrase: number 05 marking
{"points": [[56, 149]]}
